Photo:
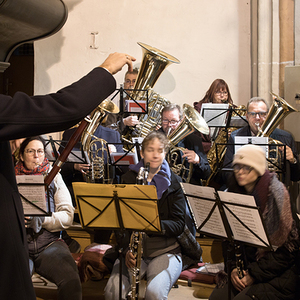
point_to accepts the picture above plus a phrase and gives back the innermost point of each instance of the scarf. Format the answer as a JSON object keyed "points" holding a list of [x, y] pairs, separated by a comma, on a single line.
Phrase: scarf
{"points": [[39, 170], [161, 180], [273, 199], [42, 169]]}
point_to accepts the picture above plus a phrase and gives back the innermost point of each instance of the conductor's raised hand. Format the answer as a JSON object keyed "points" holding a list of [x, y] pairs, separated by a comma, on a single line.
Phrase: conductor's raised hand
{"points": [[116, 61]]}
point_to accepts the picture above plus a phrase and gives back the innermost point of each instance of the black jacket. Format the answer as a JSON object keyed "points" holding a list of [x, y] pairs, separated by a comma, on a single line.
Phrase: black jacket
{"points": [[171, 206], [22, 116]]}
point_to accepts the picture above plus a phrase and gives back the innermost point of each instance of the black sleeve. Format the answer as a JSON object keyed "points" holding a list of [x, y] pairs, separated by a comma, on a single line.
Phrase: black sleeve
{"points": [[274, 263], [22, 115]]}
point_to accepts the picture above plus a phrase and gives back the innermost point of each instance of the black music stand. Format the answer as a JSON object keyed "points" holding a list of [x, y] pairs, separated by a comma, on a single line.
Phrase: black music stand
{"points": [[33, 191], [220, 215], [123, 207], [77, 155], [128, 94]]}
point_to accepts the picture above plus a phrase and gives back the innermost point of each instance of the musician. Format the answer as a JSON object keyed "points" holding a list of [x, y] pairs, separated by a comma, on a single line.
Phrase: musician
{"points": [[266, 274], [49, 255], [75, 172], [218, 92], [21, 116], [120, 121], [257, 111], [171, 116], [162, 259]]}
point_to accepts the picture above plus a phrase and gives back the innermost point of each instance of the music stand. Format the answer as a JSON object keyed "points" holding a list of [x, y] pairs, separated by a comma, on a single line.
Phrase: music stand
{"points": [[123, 207], [141, 109], [220, 215]]}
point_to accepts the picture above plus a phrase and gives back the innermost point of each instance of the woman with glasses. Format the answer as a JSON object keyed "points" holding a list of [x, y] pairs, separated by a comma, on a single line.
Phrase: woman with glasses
{"points": [[266, 274], [218, 92], [49, 255]]}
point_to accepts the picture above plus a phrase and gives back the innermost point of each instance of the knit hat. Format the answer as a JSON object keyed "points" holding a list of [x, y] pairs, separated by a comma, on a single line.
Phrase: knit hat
{"points": [[253, 156]]}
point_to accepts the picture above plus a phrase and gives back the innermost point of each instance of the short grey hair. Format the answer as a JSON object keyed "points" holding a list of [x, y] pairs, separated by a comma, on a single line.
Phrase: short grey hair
{"points": [[170, 107], [258, 99]]}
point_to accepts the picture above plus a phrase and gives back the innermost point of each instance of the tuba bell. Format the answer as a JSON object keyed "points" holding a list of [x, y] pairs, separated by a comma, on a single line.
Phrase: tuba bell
{"points": [[154, 62], [95, 147], [190, 122]]}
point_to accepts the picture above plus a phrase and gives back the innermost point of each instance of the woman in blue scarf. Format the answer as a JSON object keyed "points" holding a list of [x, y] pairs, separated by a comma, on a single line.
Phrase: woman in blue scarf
{"points": [[162, 261]]}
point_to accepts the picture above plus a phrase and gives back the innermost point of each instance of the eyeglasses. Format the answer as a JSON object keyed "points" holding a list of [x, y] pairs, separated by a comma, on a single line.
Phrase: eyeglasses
{"points": [[31, 152], [238, 167], [172, 122], [261, 114], [220, 93]]}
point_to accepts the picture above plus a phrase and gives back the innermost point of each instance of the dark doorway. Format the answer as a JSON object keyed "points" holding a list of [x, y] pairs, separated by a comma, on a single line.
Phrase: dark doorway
{"points": [[19, 76]]}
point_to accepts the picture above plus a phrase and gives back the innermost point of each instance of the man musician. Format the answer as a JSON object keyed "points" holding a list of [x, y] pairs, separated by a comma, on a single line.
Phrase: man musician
{"points": [[171, 116]]}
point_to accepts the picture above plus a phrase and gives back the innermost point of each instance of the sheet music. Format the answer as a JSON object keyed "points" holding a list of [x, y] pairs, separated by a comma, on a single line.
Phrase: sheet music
{"points": [[34, 193], [201, 201], [248, 214], [201, 208], [214, 114], [244, 140]]}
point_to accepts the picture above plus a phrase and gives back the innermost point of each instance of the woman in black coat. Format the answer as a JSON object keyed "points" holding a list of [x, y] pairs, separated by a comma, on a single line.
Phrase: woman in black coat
{"points": [[162, 260], [266, 275]]}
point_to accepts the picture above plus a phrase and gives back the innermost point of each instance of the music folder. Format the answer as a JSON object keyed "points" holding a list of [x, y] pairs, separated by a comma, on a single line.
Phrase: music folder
{"points": [[117, 206], [33, 190], [226, 215]]}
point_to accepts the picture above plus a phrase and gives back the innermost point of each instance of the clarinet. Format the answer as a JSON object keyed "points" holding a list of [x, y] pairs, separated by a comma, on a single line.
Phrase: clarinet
{"points": [[136, 244], [239, 261]]}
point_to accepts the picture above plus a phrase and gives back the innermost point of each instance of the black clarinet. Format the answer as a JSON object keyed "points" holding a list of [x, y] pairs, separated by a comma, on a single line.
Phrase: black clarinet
{"points": [[136, 246], [239, 261]]}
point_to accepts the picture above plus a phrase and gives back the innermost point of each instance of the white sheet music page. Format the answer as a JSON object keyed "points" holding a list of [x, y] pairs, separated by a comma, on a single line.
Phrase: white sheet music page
{"points": [[34, 193], [248, 213], [214, 114], [201, 206]]}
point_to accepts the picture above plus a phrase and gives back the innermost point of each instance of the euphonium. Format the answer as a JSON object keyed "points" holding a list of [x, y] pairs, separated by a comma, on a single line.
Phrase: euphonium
{"points": [[190, 122], [278, 111], [153, 64], [96, 148]]}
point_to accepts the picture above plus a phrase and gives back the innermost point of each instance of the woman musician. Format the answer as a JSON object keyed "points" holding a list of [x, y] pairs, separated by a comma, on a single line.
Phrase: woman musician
{"points": [[162, 260], [266, 274]]}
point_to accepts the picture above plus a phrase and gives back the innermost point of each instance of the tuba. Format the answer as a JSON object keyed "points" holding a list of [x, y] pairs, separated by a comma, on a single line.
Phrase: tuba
{"points": [[278, 111], [95, 147], [154, 62], [191, 122]]}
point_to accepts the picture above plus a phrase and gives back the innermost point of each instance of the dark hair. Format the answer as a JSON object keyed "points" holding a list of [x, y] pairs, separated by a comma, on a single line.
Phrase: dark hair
{"points": [[156, 135], [28, 140], [216, 86]]}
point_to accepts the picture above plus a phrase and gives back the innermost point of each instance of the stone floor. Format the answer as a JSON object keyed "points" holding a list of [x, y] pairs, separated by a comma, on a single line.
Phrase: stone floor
{"points": [[93, 290]]}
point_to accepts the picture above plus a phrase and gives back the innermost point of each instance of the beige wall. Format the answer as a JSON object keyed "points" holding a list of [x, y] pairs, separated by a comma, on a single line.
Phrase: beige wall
{"points": [[210, 38]]}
